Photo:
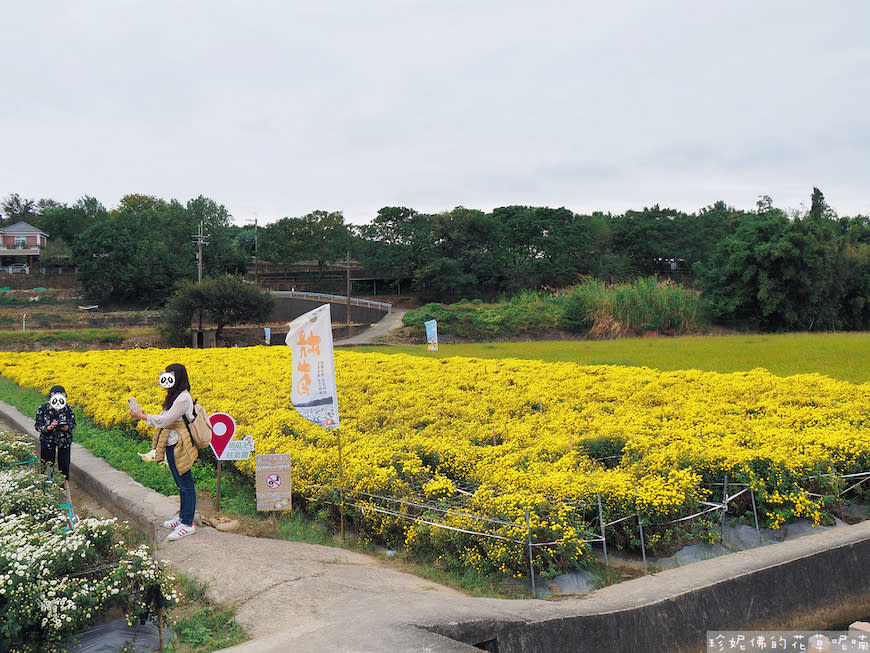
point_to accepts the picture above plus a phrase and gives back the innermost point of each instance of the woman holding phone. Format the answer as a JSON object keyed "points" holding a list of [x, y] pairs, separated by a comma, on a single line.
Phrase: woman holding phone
{"points": [[55, 422], [172, 441]]}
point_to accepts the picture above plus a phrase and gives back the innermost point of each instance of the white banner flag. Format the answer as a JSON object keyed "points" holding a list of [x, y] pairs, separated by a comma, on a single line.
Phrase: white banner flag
{"points": [[314, 395]]}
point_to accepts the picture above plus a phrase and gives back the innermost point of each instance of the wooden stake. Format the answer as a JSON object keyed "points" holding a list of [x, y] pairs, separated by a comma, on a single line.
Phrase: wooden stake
{"points": [[159, 603], [274, 512], [341, 482]]}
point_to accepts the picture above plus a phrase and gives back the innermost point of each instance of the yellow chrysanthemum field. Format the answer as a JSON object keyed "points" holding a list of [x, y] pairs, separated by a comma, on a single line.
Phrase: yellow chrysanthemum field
{"points": [[508, 435]]}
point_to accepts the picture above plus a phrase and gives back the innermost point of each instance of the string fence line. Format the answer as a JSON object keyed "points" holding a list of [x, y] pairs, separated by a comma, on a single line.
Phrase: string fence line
{"points": [[459, 508]]}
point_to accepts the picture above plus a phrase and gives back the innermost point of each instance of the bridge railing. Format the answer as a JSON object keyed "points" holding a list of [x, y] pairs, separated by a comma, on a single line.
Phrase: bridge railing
{"points": [[333, 299]]}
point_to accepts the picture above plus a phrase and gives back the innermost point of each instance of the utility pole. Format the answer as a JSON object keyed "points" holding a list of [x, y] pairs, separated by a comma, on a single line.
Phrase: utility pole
{"points": [[256, 253], [199, 240], [347, 265], [199, 255]]}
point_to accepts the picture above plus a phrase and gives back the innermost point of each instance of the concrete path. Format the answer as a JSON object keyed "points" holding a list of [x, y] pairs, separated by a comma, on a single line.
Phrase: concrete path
{"points": [[292, 596], [387, 325]]}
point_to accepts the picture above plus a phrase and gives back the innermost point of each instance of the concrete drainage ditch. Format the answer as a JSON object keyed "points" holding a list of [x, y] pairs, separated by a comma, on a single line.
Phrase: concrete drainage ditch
{"points": [[810, 582]]}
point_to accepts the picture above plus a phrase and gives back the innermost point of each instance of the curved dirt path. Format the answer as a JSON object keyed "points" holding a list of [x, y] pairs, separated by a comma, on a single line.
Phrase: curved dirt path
{"points": [[376, 334]]}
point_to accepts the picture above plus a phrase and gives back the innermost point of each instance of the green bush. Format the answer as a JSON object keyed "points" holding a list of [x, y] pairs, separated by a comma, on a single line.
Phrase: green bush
{"points": [[649, 304], [583, 304], [643, 304], [606, 450]]}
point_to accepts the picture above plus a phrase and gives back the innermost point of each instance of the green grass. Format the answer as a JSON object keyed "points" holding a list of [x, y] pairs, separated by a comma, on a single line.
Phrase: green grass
{"points": [[199, 625], [843, 356], [53, 336]]}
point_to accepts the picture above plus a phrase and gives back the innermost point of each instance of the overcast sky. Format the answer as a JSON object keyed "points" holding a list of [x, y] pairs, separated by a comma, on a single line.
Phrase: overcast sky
{"points": [[280, 108]]}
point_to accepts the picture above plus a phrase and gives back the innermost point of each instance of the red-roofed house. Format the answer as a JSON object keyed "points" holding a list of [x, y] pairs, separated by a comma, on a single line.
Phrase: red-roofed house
{"points": [[21, 243]]}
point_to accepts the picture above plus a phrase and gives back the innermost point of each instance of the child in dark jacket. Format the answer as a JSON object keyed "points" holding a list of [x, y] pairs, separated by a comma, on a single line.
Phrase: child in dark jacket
{"points": [[55, 422]]}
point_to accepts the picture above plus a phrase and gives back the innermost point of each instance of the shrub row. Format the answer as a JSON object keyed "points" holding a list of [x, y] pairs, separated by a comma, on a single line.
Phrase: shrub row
{"points": [[592, 308]]}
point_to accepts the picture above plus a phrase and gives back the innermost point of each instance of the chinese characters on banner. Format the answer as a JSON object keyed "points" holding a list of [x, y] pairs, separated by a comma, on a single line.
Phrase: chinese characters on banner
{"points": [[314, 394], [431, 334]]}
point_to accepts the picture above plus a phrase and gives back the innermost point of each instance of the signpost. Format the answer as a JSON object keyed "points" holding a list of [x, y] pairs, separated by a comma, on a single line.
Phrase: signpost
{"points": [[274, 482], [223, 428]]}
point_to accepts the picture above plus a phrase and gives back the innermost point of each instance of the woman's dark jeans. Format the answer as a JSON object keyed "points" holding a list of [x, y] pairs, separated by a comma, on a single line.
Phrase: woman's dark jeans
{"points": [[186, 490]]}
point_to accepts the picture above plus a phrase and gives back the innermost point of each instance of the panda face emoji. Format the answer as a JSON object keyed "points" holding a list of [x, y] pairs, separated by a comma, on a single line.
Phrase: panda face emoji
{"points": [[57, 401], [167, 379]]}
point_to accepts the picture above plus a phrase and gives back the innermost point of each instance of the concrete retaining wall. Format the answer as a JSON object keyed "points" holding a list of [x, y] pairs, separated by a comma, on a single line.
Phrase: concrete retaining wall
{"points": [[812, 583]]}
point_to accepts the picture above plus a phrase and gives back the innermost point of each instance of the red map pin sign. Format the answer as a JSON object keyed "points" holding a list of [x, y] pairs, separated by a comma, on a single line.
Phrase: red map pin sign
{"points": [[223, 428]]}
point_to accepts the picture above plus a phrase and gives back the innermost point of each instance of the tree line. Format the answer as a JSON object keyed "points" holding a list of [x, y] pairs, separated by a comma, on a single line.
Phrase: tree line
{"points": [[762, 268]]}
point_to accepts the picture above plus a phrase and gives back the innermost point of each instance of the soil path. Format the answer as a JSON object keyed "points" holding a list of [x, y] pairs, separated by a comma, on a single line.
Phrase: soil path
{"points": [[383, 329]]}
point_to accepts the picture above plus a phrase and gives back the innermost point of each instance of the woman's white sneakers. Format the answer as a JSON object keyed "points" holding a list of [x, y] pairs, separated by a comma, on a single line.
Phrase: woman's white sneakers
{"points": [[179, 530], [182, 530]]}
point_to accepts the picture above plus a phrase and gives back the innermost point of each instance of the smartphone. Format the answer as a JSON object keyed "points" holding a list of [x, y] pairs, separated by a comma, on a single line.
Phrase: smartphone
{"points": [[132, 402]]}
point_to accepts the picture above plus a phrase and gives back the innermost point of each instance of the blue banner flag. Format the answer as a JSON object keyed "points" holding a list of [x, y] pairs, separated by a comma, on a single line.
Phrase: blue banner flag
{"points": [[432, 334]]}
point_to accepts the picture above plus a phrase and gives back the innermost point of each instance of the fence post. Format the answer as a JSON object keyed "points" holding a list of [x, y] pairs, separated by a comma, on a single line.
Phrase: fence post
{"points": [[724, 506], [642, 545], [341, 482], [755, 514], [531, 564], [601, 523]]}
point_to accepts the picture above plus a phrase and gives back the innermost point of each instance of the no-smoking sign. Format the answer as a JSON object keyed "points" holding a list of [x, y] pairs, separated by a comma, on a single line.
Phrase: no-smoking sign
{"points": [[274, 486]]}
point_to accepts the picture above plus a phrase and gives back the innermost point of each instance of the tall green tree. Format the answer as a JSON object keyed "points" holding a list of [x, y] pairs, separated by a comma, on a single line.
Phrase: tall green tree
{"points": [[465, 263], [568, 245], [14, 209], [750, 274], [522, 245], [320, 237], [646, 236], [696, 236], [222, 254], [225, 300], [326, 236], [282, 241], [148, 245], [67, 222], [398, 243], [779, 274], [138, 254], [822, 282]]}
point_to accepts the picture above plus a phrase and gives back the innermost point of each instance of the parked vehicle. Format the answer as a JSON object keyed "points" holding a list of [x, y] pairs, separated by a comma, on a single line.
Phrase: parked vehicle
{"points": [[17, 268]]}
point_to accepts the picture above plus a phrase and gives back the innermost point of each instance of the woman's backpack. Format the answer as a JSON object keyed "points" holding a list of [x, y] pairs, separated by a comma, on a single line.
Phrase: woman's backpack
{"points": [[199, 427]]}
